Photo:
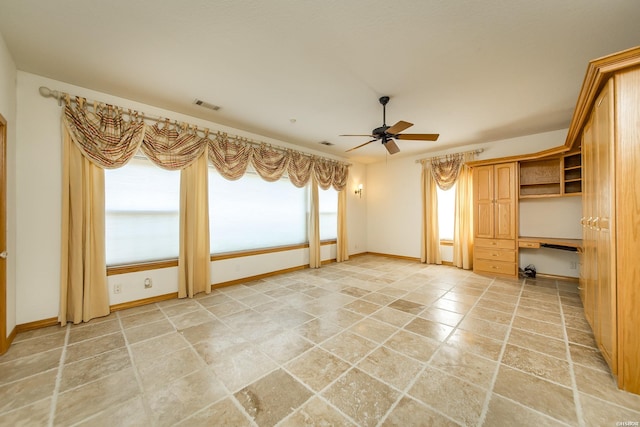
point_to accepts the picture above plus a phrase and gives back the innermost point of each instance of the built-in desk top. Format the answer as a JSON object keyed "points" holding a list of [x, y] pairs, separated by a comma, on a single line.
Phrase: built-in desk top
{"points": [[552, 242]]}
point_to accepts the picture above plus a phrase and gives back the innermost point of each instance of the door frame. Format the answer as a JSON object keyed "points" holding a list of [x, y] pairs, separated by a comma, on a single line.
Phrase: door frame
{"points": [[4, 340]]}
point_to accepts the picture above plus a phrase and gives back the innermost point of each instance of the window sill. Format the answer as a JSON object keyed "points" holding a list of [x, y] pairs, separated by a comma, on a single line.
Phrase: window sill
{"points": [[446, 242], [155, 265]]}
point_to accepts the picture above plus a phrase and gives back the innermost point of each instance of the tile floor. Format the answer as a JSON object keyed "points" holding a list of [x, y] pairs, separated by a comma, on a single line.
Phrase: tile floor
{"points": [[372, 341]]}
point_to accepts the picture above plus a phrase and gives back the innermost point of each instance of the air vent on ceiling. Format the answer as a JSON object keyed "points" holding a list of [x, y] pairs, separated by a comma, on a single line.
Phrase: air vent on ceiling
{"points": [[327, 143], [206, 104]]}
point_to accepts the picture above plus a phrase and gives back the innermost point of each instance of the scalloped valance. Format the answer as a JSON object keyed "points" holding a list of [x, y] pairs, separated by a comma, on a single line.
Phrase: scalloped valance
{"points": [[109, 138]]}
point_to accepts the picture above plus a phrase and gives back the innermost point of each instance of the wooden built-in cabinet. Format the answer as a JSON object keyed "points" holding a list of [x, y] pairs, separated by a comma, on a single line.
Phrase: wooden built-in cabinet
{"points": [[495, 219], [598, 277], [551, 177], [606, 123], [600, 161]]}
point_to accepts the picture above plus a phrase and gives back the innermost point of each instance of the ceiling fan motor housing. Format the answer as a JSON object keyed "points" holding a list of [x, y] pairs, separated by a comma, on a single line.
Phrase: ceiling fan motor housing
{"points": [[379, 132]]}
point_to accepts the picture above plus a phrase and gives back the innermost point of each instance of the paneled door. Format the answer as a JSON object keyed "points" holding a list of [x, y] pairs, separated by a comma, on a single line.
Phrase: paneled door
{"points": [[603, 224], [505, 201], [483, 190]]}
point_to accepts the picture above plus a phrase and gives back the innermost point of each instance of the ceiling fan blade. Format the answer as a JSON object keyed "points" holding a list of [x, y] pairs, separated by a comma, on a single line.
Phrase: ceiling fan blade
{"points": [[369, 135], [399, 127], [419, 136], [361, 145], [391, 146]]}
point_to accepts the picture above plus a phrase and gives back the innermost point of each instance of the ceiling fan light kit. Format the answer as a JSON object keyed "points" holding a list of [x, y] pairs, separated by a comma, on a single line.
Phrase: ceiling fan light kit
{"points": [[387, 134]]}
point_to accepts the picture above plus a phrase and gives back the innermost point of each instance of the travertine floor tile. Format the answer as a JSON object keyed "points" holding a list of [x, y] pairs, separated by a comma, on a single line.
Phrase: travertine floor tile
{"points": [[536, 393], [391, 367], [33, 346], [78, 373], [407, 306], [241, 365], [410, 412], [505, 412], [373, 329], [600, 384], [412, 345], [465, 365], [602, 413], [36, 414], [92, 347], [463, 403], [316, 412], [272, 398], [361, 397], [131, 413], [223, 413], [540, 343], [82, 332], [184, 397], [29, 365], [317, 368], [142, 318], [150, 349], [439, 315], [72, 406], [429, 329], [538, 364], [349, 346], [285, 346], [371, 341], [27, 391], [151, 330], [167, 367]]}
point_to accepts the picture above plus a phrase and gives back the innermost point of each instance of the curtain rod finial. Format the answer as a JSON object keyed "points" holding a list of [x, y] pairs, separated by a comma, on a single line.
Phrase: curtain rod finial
{"points": [[48, 93]]}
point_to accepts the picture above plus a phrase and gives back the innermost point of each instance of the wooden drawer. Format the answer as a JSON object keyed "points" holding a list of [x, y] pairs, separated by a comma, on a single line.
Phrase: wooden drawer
{"points": [[525, 244], [495, 243], [495, 254], [495, 267]]}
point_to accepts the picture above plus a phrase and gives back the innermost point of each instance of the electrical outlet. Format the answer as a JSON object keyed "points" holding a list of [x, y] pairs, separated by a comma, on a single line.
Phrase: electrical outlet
{"points": [[117, 288], [147, 283], [573, 265]]}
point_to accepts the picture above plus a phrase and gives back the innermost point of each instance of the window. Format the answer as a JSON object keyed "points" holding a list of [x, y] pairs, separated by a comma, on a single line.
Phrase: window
{"points": [[142, 213], [328, 208], [251, 213], [446, 212]]}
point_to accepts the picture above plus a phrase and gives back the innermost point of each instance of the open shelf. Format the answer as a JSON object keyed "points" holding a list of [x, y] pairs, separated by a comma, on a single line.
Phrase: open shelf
{"points": [[551, 177], [573, 174]]}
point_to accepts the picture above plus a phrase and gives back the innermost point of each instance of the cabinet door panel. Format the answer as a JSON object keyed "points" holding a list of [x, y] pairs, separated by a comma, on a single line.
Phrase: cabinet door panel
{"points": [[483, 194], [606, 296], [505, 200], [588, 268]]}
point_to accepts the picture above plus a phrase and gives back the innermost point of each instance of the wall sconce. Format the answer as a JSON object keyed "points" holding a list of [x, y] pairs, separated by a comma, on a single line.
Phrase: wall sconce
{"points": [[359, 190]]}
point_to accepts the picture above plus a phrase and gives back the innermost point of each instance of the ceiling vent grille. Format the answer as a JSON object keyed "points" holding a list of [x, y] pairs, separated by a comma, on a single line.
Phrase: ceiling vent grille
{"points": [[205, 104]]}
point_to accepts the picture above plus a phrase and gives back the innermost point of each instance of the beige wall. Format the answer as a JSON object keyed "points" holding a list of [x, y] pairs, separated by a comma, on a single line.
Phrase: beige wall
{"points": [[386, 219], [394, 204], [39, 177], [8, 111]]}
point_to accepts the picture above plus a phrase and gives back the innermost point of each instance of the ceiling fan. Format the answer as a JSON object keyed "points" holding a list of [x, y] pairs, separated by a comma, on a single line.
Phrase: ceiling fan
{"points": [[387, 134]]}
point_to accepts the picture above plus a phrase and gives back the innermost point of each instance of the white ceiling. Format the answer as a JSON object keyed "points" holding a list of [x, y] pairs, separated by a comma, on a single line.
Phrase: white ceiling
{"points": [[473, 71]]}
